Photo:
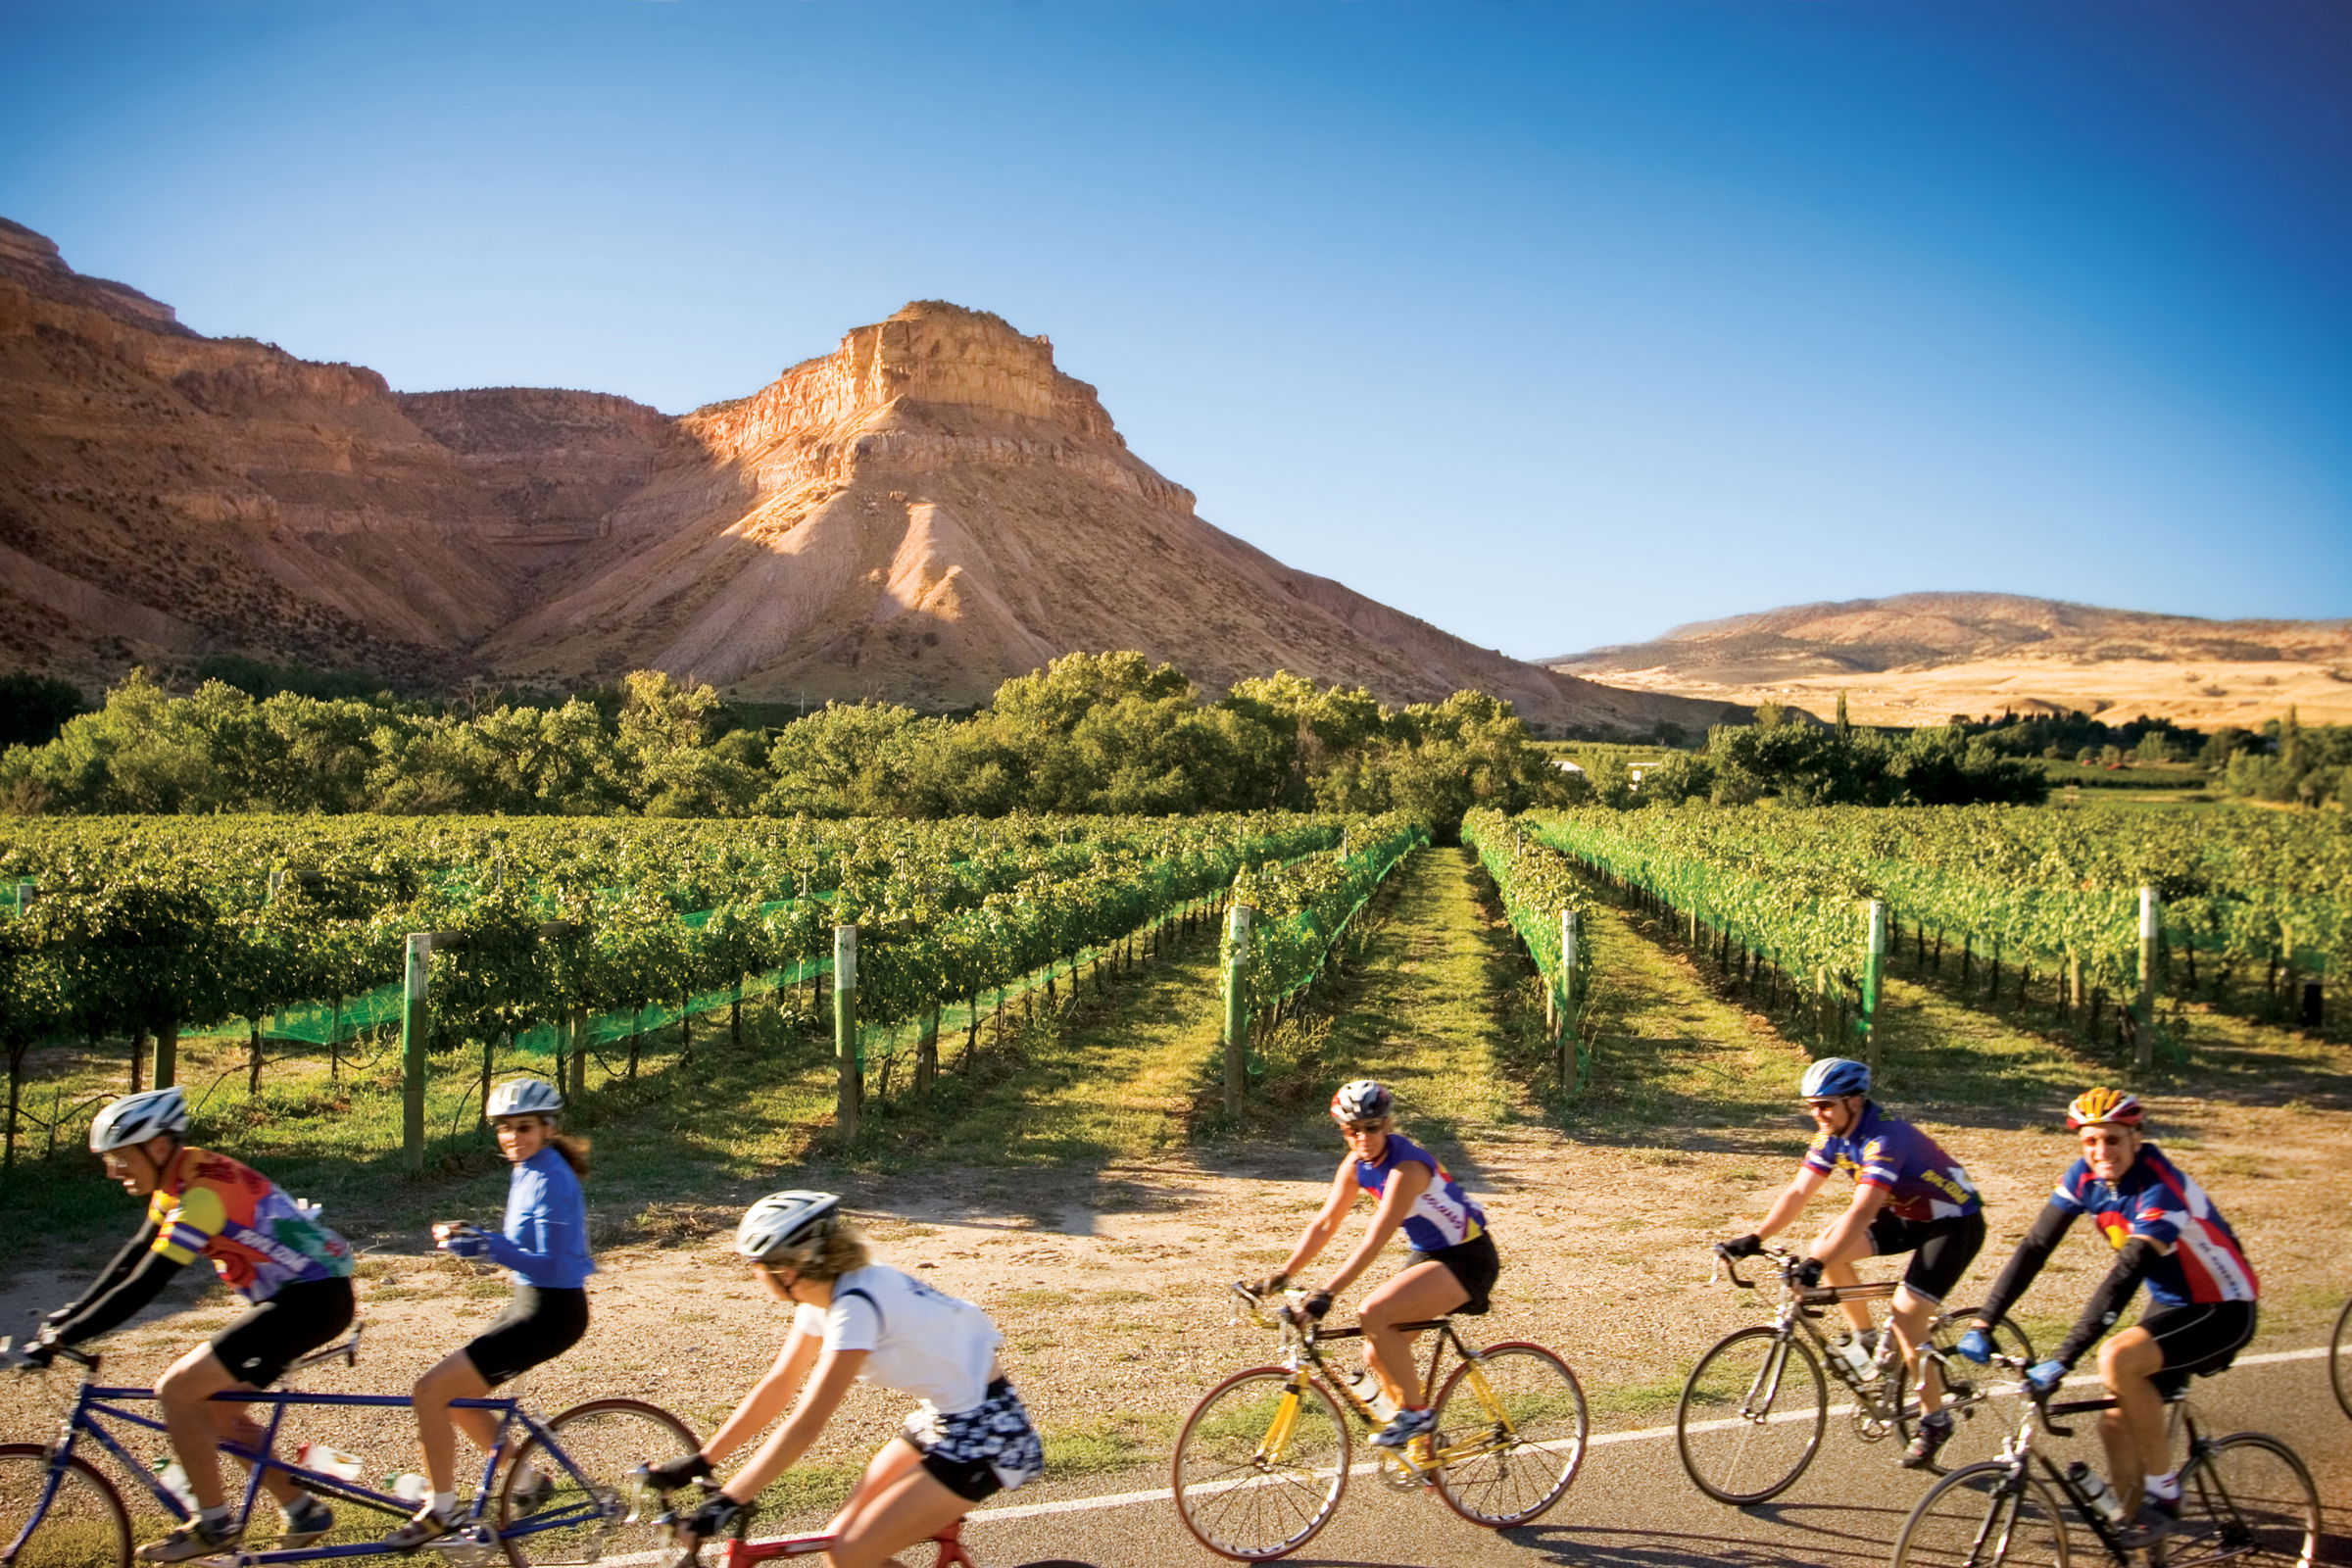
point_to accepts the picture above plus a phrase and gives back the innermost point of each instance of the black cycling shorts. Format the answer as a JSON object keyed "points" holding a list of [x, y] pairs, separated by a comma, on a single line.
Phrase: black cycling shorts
{"points": [[1941, 1248], [2197, 1340], [1473, 1263], [976, 1454], [541, 1323], [257, 1347]]}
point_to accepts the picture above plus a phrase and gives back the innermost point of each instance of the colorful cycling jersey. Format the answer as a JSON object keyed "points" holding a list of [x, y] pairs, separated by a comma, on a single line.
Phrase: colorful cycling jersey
{"points": [[258, 1240], [1925, 1181], [1443, 1215], [2155, 1199]]}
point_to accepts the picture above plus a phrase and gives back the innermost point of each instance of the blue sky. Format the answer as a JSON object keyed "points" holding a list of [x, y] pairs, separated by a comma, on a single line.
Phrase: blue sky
{"points": [[1555, 322]]}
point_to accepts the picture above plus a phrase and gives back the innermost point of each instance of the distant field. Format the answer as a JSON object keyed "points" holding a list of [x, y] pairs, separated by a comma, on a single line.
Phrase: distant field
{"points": [[2137, 777]]}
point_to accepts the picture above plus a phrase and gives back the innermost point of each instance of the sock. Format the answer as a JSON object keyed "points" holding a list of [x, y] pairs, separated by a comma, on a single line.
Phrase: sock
{"points": [[213, 1518], [445, 1503], [2165, 1487]]}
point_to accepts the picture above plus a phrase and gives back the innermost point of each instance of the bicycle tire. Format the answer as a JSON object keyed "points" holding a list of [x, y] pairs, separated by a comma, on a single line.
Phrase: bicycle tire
{"points": [[1210, 1465], [93, 1527], [1938, 1533], [1544, 1406], [2246, 1498], [1695, 1417], [1974, 1414], [2340, 1359], [605, 1438]]}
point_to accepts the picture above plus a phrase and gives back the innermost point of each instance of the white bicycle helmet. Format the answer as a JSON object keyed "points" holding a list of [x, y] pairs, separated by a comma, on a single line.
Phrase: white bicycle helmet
{"points": [[522, 1096], [1833, 1077], [1362, 1100], [784, 1222], [135, 1118]]}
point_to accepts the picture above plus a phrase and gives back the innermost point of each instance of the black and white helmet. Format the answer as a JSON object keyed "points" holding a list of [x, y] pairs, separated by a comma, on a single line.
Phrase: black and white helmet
{"points": [[135, 1118], [1362, 1100], [783, 1223], [522, 1096]]}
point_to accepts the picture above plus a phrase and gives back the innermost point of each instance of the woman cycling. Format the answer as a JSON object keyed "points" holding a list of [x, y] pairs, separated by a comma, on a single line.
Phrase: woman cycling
{"points": [[1452, 1265], [544, 1246], [852, 1319]]}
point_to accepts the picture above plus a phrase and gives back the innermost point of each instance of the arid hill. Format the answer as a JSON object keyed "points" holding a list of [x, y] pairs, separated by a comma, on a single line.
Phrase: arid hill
{"points": [[1916, 659], [930, 509]]}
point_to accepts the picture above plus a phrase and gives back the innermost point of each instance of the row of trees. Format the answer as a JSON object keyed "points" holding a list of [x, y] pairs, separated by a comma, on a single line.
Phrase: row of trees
{"points": [[2294, 765], [1798, 762], [1091, 733]]}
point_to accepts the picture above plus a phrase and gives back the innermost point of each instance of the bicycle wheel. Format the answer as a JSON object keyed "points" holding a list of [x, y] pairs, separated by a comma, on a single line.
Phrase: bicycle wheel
{"points": [[2340, 1359], [2246, 1498], [544, 1513], [1982, 1399], [1511, 1435], [1986, 1516], [1752, 1416], [1260, 1464], [86, 1525]]}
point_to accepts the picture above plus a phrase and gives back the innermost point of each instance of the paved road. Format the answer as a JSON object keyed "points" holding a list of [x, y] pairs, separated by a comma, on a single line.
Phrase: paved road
{"points": [[1633, 1506]]}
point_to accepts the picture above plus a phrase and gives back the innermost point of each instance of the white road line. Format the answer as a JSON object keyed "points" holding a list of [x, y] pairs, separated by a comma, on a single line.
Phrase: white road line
{"points": [[1125, 1500]]}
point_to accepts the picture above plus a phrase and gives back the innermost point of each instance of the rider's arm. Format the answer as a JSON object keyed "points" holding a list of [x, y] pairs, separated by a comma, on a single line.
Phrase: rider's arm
{"points": [[836, 1370], [768, 1397], [1853, 1226], [537, 1248], [1327, 1221], [114, 1272], [1791, 1203], [141, 1284], [2049, 1227], [2132, 1264], [1407, 1184]]}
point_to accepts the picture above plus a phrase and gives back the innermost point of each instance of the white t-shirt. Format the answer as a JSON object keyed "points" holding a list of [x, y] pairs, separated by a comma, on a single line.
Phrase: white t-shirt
{"points": [[920, 1341]]}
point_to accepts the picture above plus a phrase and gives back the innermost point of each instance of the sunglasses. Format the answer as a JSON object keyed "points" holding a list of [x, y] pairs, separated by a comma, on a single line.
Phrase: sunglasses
{"points": [[1363, 1126]]}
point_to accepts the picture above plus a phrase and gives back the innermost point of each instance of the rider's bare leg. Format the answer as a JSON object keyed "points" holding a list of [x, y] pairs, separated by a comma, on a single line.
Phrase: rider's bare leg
{"points": [[2133, 1431], [1910, 1318], [453, 1377], [1423, 1292], [897, 1505], [1840, 1271], [195, 1424]]}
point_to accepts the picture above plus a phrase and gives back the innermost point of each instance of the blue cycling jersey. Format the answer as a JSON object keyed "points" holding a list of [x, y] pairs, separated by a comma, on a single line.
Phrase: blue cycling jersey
{"points": [[1443, 1215], [1922, 1180], [546, 1232]]}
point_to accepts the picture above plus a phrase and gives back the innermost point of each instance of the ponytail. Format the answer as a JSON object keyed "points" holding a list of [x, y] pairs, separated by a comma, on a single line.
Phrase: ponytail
{"points": [[574, 1150]]}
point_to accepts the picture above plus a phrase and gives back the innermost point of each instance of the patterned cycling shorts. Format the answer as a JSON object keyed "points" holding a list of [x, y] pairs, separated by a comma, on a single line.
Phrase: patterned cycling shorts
{"points": [[979, 1452]]}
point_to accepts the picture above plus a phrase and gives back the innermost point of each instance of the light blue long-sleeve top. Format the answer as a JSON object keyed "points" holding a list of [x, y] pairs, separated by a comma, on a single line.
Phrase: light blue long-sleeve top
{"points": [[546, 1239]]}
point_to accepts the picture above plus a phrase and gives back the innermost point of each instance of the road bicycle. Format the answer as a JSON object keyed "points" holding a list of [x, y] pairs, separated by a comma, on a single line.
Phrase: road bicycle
{"points": [[563, 1499], [741, 1552], [1752, 1414], [1264, 1457], [2245, 1499], [2339, 1360]]}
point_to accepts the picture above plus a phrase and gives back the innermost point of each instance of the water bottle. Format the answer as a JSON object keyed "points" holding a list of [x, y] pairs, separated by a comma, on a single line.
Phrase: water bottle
{"points": [[1365, 1386], [2096, 1492], [174, 1480], [330, 1462], [411, 1488], [1856, 1354]]}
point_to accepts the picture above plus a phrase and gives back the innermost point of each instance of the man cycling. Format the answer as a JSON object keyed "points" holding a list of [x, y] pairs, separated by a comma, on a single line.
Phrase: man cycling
{"points": [[1909, 1197], [1453, 1264], [2201, 1294], [293, 1272]]}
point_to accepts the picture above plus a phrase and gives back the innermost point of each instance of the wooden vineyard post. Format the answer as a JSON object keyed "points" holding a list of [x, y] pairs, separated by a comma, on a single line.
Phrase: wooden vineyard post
{"points": [[926, 1051], [416, 1033], [1569, 1041], [2143, 1011], [849, 1086], [1874, 972], [1237, 1006], [162, 1066]]}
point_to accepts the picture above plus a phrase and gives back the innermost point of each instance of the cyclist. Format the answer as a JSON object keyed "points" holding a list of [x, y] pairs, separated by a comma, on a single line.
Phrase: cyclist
{"points": [[2201, 1294], [293, 1272], [544, 1246], [1452, 1265], [1909, 1197], [852, 1319]]}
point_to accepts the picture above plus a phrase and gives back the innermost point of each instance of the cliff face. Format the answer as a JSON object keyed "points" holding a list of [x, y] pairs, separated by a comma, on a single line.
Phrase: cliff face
{"points": [[164, 494], [935, 507], [926, 511]]}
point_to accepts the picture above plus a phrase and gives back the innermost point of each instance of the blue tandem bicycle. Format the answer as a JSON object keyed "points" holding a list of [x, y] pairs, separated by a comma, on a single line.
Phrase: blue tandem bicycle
{"points": [[566, 1499]]}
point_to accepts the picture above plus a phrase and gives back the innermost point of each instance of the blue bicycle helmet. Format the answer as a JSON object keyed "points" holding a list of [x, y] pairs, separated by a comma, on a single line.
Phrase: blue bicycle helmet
{"points": [[1832, 1076]]}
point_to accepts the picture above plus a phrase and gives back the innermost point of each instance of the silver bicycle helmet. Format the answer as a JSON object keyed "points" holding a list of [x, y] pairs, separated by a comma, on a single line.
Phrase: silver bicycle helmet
{"points": [[783, 1223], [522, 1096], [1362, 1100], [135, 1118], [1833, 1076]]}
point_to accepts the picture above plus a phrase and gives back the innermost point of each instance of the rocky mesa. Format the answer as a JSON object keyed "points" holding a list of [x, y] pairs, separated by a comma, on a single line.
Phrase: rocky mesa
{"points": [[928, 509]]}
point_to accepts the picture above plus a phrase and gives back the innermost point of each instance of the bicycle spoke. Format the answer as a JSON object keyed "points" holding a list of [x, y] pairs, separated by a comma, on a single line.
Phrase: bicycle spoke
{"points": [[2246, 1498], [544, 1513], [83, 1526], [1986, 1516], [1260, 1468], [1752, 1416]]}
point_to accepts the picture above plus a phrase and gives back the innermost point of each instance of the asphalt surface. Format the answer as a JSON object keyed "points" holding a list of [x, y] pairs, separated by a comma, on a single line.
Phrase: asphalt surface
{"points": [[1632, 1505]]}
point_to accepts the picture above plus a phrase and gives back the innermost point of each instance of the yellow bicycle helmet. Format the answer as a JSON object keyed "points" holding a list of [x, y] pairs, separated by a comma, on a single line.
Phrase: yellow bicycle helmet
{"points": [[2094, 1107]]}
